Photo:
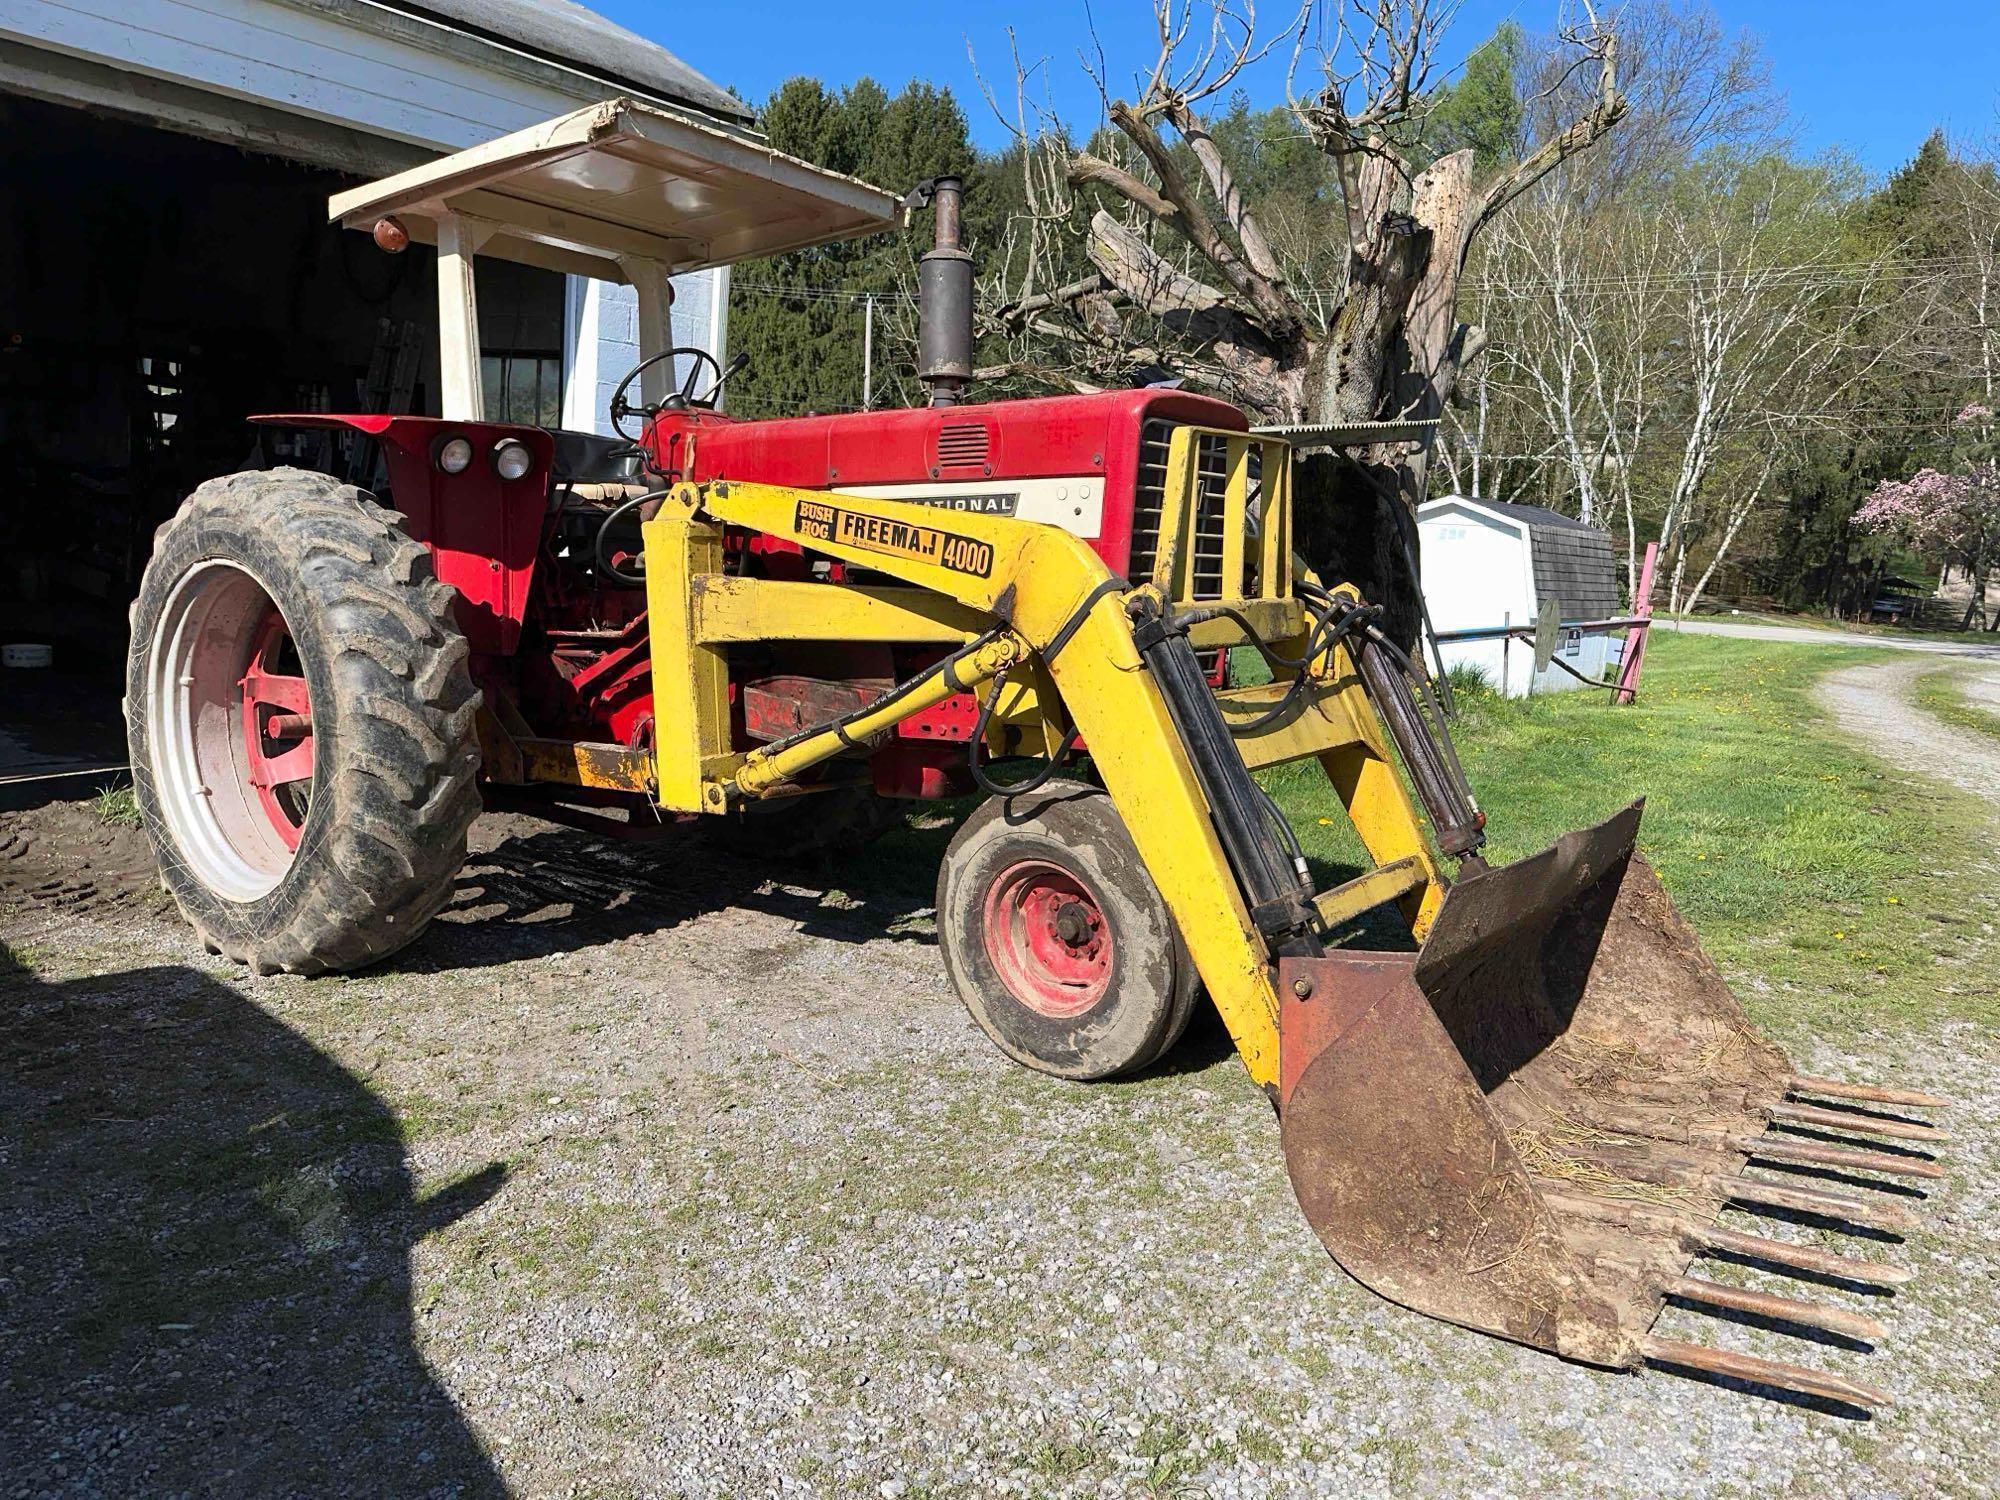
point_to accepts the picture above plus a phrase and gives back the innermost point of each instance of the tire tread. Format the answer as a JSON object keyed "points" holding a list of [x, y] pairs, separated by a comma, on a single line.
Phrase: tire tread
{"points": [[405, 789]]}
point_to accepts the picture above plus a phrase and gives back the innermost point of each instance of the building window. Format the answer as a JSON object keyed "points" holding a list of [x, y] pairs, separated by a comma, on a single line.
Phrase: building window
{"points": [[164, 394], [524, 387]]}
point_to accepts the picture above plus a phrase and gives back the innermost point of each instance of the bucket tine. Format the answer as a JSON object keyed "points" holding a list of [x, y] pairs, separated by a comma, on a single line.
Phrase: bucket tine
{"points": [[1866, 1093], [1812, 1154], [1754, 1193], [1715, 1239], [1768, 1372], [1703, 1239], [1858, 1124], [1769, 1305], [1532, 1125]]}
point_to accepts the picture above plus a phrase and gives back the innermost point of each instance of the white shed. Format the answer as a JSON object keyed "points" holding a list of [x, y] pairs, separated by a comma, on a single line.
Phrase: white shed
{"points": [[1488, 563]]}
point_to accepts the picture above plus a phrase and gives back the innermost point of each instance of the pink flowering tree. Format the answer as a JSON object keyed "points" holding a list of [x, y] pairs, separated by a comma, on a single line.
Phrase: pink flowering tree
{"points": [[1953, 515]]}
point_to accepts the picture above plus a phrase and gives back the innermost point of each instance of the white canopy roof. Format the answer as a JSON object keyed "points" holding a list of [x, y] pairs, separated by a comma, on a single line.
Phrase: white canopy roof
{"points": [[624, 179]]}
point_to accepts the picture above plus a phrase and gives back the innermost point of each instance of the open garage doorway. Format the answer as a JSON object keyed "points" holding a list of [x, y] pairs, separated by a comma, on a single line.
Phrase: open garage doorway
{"points": [[155, 290]]}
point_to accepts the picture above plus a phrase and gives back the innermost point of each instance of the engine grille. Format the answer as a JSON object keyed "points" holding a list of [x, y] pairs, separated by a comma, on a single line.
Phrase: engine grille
{"points": [[963, 446], [1211, 482]]}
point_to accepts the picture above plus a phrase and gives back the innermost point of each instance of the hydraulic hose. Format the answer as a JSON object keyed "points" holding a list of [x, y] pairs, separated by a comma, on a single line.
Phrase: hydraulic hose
{"points": [[1265, 868], [972, 751], [1049, 653], [1420, 733], [1424, 744]]}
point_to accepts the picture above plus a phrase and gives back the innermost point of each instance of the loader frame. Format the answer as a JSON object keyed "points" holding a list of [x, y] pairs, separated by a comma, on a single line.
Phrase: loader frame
{"points": [[1069, 622]]}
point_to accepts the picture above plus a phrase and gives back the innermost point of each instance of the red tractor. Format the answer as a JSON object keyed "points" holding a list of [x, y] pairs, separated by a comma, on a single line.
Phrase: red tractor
{"points": [[784, 625], [324, 692]]}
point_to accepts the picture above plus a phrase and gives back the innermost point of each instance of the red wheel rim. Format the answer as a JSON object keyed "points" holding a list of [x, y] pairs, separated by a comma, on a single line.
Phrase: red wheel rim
{"points": [[277, 728], [1048, 939]]}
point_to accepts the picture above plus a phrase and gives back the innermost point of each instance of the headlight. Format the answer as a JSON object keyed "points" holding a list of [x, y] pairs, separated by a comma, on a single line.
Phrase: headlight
{"points": [[455, 455], [511, 459]]}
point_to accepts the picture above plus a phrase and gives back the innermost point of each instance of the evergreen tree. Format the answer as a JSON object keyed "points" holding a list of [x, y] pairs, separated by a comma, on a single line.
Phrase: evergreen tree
{"points": [[800, 317], [1482, 108], [1903, 213]]}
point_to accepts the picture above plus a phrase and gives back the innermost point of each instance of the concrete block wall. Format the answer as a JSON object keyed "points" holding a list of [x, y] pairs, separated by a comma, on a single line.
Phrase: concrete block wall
{"points": [[601, 338]]}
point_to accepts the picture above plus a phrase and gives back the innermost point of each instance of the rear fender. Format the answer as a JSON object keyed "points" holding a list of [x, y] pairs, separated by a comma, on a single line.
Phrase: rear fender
{"points": [[483, 531]]}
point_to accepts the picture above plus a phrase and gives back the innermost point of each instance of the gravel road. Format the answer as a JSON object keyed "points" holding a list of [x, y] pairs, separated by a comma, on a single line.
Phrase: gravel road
{"points": [[654, 1176], [1873, 704], [1803, 635]]}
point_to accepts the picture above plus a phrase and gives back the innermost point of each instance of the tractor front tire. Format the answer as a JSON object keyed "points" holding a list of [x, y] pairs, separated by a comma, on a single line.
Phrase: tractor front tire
{"points": [[1056, 938], [300, 718]]}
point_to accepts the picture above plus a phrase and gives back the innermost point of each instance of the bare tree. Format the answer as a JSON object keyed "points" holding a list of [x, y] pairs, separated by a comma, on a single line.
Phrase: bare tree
{"points": [[1689, 86], [1969, 213], [1582, 296], [1189, 257], [1581, 283], [1770, 313]]}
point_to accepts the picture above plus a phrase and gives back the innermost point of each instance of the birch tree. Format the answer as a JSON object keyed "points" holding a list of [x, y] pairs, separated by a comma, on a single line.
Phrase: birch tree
{"points": [[1769, 307], [1588, 295], [1669, 350]]}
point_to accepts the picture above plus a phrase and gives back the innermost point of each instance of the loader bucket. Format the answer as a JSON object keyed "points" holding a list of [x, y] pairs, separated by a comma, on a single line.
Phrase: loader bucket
{"points": [[1530, 1126]]}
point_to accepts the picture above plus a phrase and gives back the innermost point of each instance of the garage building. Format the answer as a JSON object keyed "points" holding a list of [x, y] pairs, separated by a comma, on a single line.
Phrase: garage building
{"points": [[166, 268]]}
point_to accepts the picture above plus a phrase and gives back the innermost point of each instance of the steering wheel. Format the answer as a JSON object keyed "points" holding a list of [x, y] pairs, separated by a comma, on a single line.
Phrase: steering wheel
{"points": [[684, 397]]}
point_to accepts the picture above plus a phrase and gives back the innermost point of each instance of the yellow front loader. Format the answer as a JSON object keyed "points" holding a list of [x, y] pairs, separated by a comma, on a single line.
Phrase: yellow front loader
{"points": [[1527, 1124], [1526, 1121]]}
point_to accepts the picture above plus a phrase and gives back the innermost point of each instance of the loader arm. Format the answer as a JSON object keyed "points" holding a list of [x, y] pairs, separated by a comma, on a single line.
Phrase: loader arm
{"points": [[1043, 585]]}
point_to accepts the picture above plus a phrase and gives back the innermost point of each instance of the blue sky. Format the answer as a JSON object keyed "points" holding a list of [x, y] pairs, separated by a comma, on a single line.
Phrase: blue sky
{"points": [[1870, 77]]}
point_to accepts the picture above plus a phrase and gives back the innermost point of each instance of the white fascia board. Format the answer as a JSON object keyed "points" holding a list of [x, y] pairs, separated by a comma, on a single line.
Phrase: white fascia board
{"points": [[1467, 505], [303, 60]]}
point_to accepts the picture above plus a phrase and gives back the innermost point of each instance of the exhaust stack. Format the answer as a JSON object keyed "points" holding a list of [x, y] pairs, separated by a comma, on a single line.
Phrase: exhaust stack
{"points": [[944, 289]]}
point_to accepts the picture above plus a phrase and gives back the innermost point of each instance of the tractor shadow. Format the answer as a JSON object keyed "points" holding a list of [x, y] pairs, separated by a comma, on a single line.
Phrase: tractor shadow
{"points": [[542, 889], [205, 1231], [533, 889]]}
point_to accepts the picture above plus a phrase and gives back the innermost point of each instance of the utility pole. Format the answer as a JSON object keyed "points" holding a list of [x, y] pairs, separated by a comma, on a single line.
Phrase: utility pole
{"points": [[868, 354]]}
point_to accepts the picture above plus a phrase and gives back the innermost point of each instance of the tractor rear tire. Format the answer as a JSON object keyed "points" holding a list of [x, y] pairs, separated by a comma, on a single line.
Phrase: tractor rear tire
{"points": [[300, 717], [1056, 938]]}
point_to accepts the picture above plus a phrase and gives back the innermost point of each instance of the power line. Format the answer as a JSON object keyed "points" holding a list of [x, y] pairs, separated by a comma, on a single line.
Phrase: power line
{"points": [[1802, 275]]}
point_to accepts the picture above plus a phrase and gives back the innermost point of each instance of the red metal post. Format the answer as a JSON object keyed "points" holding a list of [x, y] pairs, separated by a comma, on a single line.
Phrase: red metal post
{"points": [[1635, 638]]}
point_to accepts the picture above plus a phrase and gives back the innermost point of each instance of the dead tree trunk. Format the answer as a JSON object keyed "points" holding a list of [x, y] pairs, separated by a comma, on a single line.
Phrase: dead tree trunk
{"points": [[1393, 348]]}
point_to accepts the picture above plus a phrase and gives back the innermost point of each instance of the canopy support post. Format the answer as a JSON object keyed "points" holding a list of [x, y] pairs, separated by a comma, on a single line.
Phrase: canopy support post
{"points": [[463, 392], [652, 280]]}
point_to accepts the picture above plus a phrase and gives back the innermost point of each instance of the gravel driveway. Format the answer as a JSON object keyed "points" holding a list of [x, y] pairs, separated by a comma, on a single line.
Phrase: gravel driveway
{"points": [[646, 1174], [1807, 636], [1873, 704], [1982, 691]]}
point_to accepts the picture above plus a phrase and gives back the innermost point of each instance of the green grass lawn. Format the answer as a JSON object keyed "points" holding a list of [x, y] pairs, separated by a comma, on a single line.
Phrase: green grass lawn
{"points": [[1940, 693], [1832, 889]]}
